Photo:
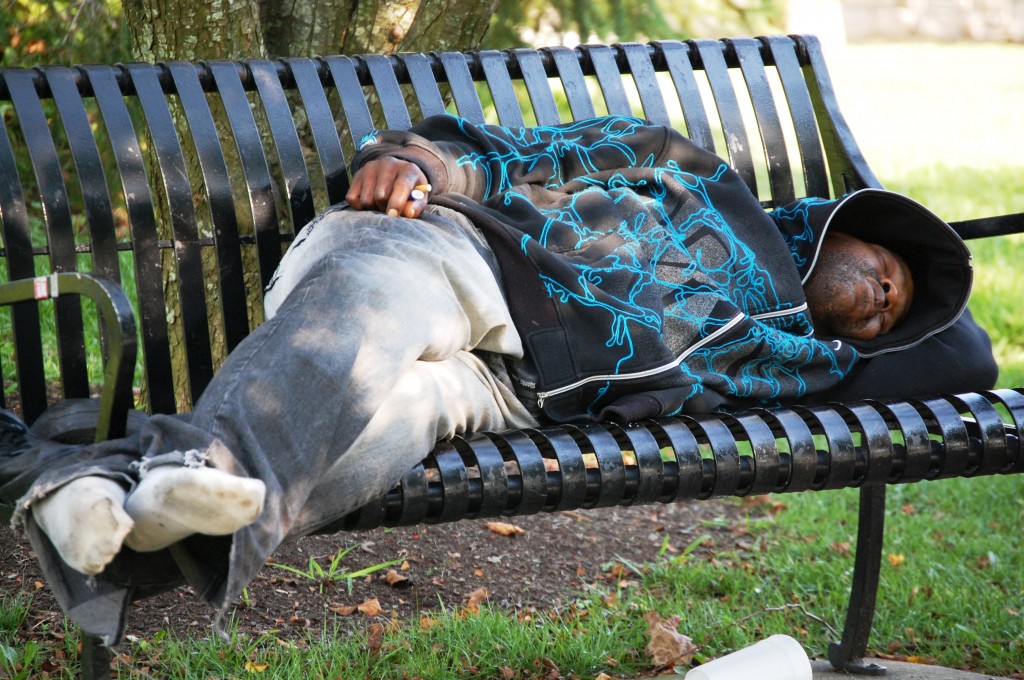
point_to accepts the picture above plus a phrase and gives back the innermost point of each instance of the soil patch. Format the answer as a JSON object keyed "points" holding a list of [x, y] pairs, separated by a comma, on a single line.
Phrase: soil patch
{"points": [[556, 557]]}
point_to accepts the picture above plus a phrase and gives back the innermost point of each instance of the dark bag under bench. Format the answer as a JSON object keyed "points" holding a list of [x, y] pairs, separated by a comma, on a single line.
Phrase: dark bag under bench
{"points": [[186, 181]]}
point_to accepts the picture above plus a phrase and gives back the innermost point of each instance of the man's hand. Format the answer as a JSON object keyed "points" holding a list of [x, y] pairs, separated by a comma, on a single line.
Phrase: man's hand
{"points": [[389, 185]]}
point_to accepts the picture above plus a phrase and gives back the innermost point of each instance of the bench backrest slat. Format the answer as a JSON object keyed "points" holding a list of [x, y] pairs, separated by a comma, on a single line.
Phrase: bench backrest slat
{"points": [[575, 87], [259, 184], [424, 84], [219, 199], [767, 116], [321, 123], [535, 77], [126, 148], [388, 91], [59, 234], [652, 99], [110, 168], [506, 104], [463, 86], [178, 189]]}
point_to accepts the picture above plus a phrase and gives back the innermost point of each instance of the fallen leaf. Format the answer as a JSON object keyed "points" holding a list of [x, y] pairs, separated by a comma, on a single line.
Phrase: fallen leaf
{"points": [[896, 559], [253, 667], [344, 610], [667, 646], [505, 529], [396, 580], [602, 676], [371, 607]]}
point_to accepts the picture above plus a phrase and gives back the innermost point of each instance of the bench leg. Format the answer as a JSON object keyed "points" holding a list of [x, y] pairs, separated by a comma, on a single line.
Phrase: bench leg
{"points": [[848, 655], [96, 658]]}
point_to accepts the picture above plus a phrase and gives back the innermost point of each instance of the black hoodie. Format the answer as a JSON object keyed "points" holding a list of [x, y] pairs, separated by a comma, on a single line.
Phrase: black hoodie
{"points": [[645, 277]]}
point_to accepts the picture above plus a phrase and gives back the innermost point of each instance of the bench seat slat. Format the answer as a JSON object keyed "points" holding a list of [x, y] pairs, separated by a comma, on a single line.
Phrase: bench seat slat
{"points": [[611, 473], [802, 456], [650, 469], [765, 456], [479, 451], [567, 488], [841, 457], [517, 446], [876, 442], [991, 430], [454, 483], [956, 442]]}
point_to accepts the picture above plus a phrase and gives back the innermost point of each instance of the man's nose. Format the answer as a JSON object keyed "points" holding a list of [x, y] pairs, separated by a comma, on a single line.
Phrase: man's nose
{"points": [[889, 293]]}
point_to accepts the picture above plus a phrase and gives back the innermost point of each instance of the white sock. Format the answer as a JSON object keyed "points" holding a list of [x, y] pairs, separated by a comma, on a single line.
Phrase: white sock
{"points": [[85, 521], [172, 502]]}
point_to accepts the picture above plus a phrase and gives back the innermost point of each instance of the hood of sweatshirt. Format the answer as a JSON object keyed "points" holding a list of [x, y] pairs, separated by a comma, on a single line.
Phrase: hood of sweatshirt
{"points": [[939, 261]]}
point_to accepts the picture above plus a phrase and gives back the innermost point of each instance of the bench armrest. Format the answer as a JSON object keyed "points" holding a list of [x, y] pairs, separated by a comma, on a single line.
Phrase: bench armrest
{"points": [[118, 329], [989, 226]]}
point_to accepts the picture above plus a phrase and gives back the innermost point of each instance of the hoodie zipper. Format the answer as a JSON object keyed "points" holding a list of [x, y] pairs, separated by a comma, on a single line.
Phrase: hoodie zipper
{"points": [[732, 323]]}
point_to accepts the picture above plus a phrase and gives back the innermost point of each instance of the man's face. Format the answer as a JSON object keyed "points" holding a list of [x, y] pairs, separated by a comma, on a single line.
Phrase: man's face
{"points": [[858, 290]]}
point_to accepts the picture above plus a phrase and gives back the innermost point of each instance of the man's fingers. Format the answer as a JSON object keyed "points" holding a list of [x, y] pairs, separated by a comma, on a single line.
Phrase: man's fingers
{"points": [[390, 186]]}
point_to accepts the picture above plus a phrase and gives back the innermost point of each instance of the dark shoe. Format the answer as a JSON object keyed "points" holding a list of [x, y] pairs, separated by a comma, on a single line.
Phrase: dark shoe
{"points": [[13, 434]]}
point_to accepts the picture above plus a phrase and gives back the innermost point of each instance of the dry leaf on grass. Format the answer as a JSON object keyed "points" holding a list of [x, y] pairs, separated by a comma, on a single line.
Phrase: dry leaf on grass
{"points": [[505, 529], [667, 646], [374, 638], [478, 597]]}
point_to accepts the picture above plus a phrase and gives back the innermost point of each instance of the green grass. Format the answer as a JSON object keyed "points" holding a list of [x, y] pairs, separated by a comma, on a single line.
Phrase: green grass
{"points": [[937, 122]]}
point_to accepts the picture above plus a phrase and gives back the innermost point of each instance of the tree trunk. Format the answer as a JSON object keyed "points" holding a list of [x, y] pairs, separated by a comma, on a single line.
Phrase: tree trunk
{"points": [[192, 30]]}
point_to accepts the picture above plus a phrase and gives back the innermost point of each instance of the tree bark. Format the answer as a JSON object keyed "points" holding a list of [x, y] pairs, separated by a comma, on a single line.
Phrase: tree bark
{"points": [[192, 30]]}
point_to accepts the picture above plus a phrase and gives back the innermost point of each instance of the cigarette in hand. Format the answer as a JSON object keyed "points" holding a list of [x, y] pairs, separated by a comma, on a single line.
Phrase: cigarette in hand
{"points": [[419, 192]]}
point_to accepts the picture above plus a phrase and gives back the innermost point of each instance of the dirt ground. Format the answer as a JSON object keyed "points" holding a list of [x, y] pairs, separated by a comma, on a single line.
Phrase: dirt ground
{"points": [[554, 558]]}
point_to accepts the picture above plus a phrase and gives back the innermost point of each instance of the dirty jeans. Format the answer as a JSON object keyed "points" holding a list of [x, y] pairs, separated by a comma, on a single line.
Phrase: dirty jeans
{"points": [[382, 339]]}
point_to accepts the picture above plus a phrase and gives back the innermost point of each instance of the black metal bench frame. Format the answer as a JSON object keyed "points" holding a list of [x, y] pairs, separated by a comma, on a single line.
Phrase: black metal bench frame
{"points": [[288, 160]]}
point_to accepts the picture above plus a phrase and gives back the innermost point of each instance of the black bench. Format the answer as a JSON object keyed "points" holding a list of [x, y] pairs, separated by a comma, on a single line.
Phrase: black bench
{"points": [[209, 218]]}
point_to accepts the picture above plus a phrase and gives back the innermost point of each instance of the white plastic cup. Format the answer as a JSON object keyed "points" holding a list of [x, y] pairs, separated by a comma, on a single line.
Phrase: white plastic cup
{"points": [[778, 657]]}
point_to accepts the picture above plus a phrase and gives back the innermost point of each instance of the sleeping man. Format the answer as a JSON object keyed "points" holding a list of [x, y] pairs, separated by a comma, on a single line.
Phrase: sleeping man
{"points": [[484, 278]]}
